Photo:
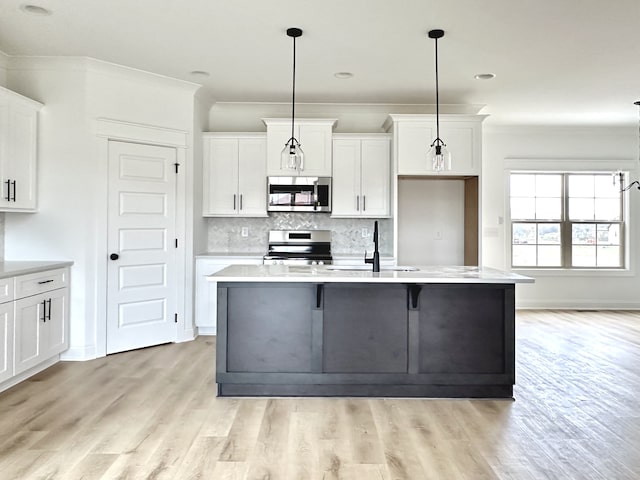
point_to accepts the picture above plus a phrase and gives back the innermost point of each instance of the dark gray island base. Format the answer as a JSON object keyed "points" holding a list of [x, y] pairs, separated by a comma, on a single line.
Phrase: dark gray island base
{"points": [[365, 339]]}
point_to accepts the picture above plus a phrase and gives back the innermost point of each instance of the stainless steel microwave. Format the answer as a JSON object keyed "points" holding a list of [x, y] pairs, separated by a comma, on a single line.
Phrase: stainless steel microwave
{"points": [[299, 194]]}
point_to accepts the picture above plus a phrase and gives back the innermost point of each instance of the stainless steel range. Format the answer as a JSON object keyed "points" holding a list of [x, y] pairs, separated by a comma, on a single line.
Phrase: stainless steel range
{"points": [[299, 247]]}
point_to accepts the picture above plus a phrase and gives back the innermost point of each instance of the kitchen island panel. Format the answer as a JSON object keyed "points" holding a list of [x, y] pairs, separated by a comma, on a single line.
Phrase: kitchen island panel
{"points": [[464, 329], [271, 328], [365, 330]]}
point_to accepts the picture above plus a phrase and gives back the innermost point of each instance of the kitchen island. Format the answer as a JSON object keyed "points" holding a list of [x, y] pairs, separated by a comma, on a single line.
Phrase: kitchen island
{"points": [[316, 331]]}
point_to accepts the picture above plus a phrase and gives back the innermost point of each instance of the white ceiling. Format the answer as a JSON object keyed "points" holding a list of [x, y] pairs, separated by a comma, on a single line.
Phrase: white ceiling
{"points": [[556, 62]]}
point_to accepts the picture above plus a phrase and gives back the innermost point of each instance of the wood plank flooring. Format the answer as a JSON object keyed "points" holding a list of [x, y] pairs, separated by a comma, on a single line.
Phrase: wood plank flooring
{"points": [[153, 414]]}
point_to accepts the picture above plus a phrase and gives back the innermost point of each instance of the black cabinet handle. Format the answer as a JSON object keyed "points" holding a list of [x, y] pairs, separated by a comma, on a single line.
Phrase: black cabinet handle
{"points": [[364, 203], [13, 197], [45, 281], [44, 311], [357, 203], [8, 197], [114, 256], [234, 201], [49, 316], [240, 201]]}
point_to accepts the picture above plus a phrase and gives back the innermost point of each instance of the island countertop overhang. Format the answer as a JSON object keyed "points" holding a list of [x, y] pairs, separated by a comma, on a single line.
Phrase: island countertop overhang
{"points": [[322, 274]]}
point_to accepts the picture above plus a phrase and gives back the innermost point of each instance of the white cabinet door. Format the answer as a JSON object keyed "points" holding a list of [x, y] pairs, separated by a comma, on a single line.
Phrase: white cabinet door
{"points": [[18, 150], [6, 341], [55, 338], [346, 177], [30, 321], [252, 177], [235, 179], [316, 145], [361, 177], [221, 176], [314, 136], [375, 178]]}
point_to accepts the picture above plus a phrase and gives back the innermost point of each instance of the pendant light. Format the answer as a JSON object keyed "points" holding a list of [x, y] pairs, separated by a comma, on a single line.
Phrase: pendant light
{"points": [[618, 177], [292, 156], [438, 155]]}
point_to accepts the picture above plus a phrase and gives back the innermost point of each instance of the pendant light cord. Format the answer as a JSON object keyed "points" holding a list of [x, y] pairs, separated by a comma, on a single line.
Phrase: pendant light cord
{"points": [[293, 96], [437, 98]]}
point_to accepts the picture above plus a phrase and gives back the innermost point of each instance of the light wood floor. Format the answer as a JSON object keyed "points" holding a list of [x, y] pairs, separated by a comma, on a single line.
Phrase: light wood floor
{"points": [[153, 414]]}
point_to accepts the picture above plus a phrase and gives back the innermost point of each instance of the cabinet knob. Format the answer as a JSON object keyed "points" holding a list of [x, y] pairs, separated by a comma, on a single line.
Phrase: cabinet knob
{"points": [[114, 256]]}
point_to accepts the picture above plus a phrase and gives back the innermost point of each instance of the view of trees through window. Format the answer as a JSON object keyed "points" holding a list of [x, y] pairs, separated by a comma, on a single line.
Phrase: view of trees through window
{"points": [[566, 220]]}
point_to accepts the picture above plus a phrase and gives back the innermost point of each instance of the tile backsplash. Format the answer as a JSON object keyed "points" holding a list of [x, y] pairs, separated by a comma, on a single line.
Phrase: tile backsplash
{"points": [[225, 234]]}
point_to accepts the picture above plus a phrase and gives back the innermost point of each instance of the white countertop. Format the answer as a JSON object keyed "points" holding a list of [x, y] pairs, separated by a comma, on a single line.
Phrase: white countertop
{"points": [[323, 274], [14, 268]]}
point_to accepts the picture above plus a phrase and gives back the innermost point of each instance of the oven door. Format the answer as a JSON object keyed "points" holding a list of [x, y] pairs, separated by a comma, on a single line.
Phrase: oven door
{"points": [[299, 194]]}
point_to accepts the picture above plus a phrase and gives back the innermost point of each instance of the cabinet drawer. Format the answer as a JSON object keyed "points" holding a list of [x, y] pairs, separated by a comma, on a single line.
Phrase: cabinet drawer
{"points": [[34, 283], [6, 290]]}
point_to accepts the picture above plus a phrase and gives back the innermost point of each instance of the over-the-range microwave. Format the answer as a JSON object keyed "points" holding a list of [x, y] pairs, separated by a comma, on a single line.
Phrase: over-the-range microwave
{"points": [[299, 194]]}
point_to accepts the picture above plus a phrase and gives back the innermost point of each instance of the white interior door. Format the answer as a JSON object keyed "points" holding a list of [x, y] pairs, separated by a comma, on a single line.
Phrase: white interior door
{"points": [[141, 286]]}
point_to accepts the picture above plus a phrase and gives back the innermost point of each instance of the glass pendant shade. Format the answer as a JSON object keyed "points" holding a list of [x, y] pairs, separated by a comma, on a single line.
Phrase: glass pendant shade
{"points": [[439, 157], [292, 156]]}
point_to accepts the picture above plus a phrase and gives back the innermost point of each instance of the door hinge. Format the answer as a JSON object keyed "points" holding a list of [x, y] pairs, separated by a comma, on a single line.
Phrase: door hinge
{"points": [[175, 318], [176, 243], [176, 165]]}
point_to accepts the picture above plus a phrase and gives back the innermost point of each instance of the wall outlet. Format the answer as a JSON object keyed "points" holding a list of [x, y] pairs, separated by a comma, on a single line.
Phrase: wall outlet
{"points": [[245, 231], [365, 232], [438, 234]]}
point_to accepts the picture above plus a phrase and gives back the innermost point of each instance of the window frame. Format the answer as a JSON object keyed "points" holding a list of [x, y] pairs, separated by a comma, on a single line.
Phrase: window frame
{"points": [[565, 167]]}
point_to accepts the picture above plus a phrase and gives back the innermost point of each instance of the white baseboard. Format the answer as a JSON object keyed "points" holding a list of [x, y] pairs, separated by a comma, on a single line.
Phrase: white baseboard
{"points": [[79, 354], [186, 336], [206, 331], [576, 305]]}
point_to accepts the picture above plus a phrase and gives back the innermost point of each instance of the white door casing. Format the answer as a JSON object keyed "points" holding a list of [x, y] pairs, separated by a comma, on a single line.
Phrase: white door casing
{"points": [[141, 287]]}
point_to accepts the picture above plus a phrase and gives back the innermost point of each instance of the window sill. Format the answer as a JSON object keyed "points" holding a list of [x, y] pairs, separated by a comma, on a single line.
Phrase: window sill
{"points": [[566, 272]]}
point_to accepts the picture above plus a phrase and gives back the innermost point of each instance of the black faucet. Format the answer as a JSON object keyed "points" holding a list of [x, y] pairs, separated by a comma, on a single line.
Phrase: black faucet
{"points": [[376, 254]]}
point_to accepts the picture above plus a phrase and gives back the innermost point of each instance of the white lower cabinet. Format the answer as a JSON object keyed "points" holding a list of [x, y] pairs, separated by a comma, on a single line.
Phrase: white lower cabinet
{"points": [[206, 291], [40, 328], [34, 323]]}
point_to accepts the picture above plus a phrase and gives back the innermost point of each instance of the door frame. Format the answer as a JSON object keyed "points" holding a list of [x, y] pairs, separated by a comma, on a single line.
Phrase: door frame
{"points": [[115, 130]]}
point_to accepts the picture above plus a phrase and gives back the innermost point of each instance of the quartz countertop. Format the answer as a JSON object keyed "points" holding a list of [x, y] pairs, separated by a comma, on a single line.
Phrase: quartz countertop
{"points": [[324, 274], [14, 268]]}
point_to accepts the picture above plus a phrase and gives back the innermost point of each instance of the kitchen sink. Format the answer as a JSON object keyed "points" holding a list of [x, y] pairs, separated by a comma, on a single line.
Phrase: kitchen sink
{"points": [[383, 268]]}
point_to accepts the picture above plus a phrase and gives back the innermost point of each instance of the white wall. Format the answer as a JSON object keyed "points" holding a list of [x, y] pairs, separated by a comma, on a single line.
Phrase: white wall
{"points": [[4, 60], [553, 289], [72, 182]]}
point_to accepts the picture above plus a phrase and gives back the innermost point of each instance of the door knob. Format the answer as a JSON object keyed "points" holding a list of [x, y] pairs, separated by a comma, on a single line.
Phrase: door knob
{"points": [[114, 256]]}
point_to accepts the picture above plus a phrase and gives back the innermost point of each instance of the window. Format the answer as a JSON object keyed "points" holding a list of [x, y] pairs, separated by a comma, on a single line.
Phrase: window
{"points": [[566, 220]]}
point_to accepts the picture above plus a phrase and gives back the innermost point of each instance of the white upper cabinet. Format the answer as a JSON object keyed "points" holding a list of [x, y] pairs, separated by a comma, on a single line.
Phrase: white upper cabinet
{"points": [[234, 171], [413, 135], [314, 136], [18, 151], [361, 176]]}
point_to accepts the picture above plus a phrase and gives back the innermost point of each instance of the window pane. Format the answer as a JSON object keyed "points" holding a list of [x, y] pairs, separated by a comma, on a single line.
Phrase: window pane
{"points": [[608, 256], [523, 185], [549, 233], [581, 209], [523, 208], [608, 234], [607, 209], [549, 256], [524, 255], [548, 186], [548, 209], [581, 186], [583, 256], [605, 187], [524, 233], [583, 233]]}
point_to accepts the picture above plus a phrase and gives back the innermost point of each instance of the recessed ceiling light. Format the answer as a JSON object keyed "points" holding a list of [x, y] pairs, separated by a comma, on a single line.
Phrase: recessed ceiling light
{"points": [[484, 76], [34, 9], [343, 75], [200, 73]]}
